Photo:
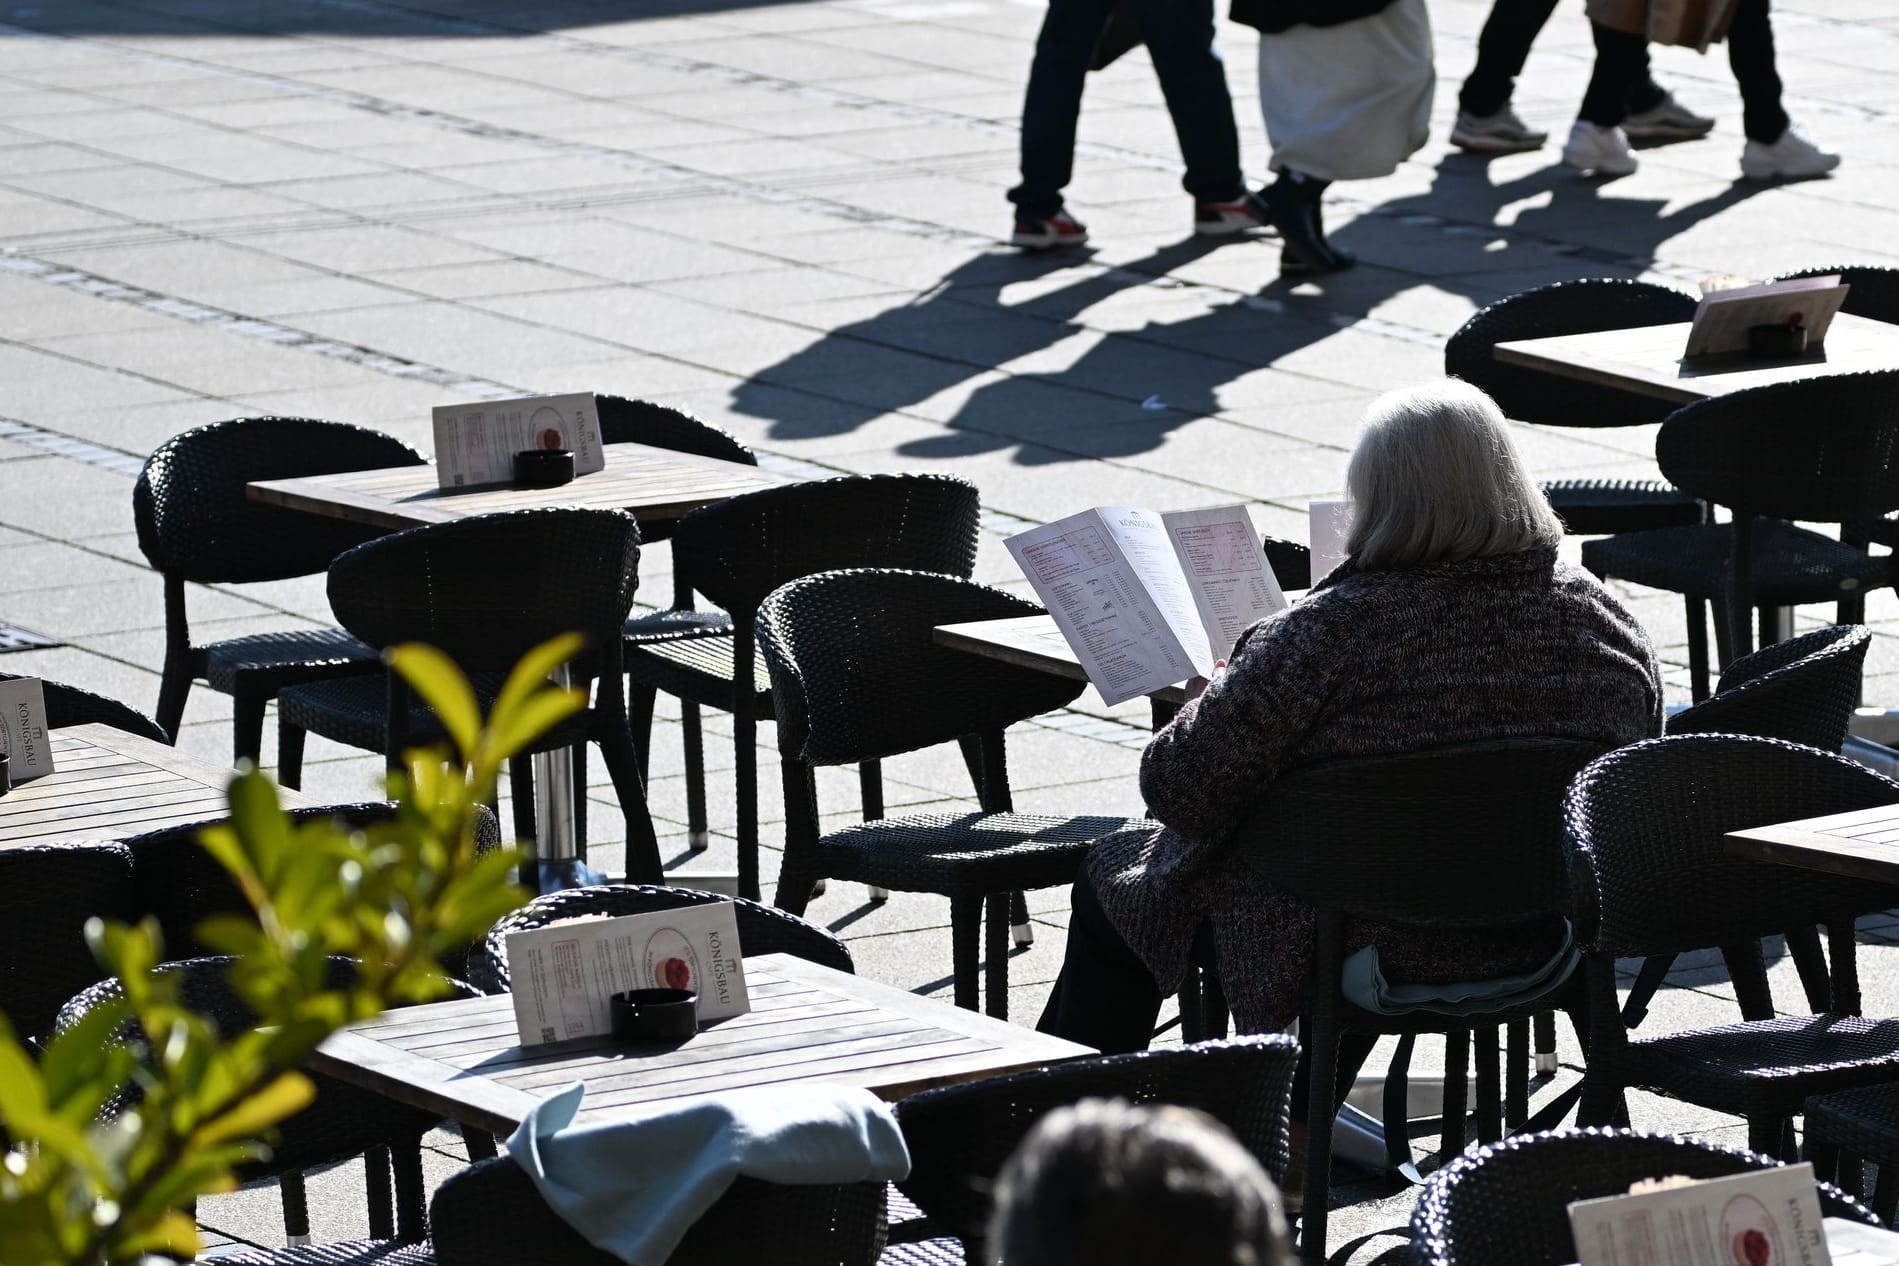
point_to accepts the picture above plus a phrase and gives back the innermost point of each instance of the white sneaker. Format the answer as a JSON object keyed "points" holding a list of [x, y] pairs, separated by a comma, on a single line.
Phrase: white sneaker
{"points": [[1793, 157], [1499, 133], [1602, 150]]}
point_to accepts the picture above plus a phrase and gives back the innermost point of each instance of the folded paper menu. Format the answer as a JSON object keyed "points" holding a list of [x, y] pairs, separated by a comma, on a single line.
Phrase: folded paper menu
{"points": [[1770, 1217], [475, 444], [23, 738], [1149, 600], [565, 972], [1723, 317], [1328, 527]]}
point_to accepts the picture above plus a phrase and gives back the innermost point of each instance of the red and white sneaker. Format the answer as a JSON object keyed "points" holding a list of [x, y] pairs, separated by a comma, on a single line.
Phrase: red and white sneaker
{"points": [[1041, 233], [1224, 219]]}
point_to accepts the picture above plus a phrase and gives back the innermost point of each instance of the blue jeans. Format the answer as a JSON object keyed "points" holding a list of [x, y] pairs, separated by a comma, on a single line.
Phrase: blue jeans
{"points": [[1179, 36]]}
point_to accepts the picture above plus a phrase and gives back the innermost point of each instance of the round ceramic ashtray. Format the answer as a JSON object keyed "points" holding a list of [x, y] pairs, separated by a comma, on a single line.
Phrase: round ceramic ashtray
{"points": [[647, 1015], [543, 467]]}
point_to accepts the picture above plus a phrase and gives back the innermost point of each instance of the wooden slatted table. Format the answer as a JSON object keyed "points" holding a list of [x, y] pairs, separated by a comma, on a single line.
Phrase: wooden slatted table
{"points": [[652, 484], [1863, 844], [807, 1023], [109, 785], [1648, 359]]}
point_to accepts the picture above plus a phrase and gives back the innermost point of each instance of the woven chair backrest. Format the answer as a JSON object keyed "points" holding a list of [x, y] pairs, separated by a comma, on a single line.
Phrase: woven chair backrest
{"points": [[1822, 450], [625, 421], [47, 892], [1461, 836], [1567, 307], [491, 1214], [762, 929], [194, 520], [1649, 870], [1507, 1204], [486, 590], [960, 1136], [1803, 690], [739, 550], [1873, 291], [70, 705], [857, 673]]}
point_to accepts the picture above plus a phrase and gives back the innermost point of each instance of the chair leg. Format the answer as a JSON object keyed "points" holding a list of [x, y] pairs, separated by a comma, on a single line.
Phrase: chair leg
{"points": [[1488, 1094], [412, 1209], [1697, 648], [521, 798], [1321, 1112], [289, 754], [1516, 1074], [1213, 1009], [1825, 1159], [692, 735], [1768, 1136], [1020, 926], [480, 1144], [1886, 1193], [996, 956], [1544, 1027], [382, 1210], [639, 721], [1803, 945], [173, 689], [1456, 1094], [642, 842], [247, 724], [296, 1208], [745, 772], [1192, 982], [1648, 981], [965, 948], [1397, 1112]]}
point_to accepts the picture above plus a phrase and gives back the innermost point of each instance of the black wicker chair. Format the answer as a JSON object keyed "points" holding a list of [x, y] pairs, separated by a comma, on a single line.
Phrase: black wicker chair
{"points": [[342, 1253], [1825, 450], [341, 1122], [1846, 1131], [762, 930], [961, 1135], [1873, 290], [857, 676], [1508, 1204], [70, 705], [491, 1215], [1650, 875], [47, 892], [741, 549], [487, 590], [1464, 838], [195, 524]]}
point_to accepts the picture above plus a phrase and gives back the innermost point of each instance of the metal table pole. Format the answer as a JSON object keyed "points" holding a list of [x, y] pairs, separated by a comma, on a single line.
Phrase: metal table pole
{"points": [[558, 860]]}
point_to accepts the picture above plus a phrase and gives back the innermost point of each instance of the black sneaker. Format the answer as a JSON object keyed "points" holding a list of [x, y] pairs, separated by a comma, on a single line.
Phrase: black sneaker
{"points": [[1046, 232]]}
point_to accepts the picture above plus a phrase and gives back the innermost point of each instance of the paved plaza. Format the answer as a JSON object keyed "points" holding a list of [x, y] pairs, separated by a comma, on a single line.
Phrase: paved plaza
{"points": [[785, 218]]}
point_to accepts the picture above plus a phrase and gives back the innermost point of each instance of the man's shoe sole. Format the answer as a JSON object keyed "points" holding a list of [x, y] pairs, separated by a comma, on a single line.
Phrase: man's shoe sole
{"points": [[1496, 144], [1045, 242], [1663, 132]]}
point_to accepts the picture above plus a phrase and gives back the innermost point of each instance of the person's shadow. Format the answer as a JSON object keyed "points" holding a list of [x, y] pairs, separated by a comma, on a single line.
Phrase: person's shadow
{"points": [[1127, 389]]}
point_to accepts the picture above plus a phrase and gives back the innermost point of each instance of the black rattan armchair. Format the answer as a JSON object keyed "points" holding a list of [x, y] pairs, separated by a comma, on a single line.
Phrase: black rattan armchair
{"points": [[1823, 450], [491, 1215], [1650, 875], [1873, 290], [70, 705], [47, 892], [195, 524], [487, 590], [741, 549], [961, 1135], [857, 676], [1508, 1204], [341, 1122], [762, 930], [341, 1253], [1464, 838]]}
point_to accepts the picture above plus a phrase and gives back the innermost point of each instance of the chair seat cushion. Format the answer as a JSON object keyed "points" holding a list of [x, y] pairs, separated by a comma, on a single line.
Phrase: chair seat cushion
{"points": [[351, 711], [342, 1253], [966, 854], [698, 670], [1768, 1067], [286, 657], [1601, 507], [674, 625], [1861, 1122], [1791, 564]]}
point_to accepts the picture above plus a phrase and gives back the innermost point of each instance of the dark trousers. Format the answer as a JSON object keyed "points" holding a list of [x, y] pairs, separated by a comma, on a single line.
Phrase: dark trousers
{"points": [[1622, 55], [1179, 36], [1504, 46]]}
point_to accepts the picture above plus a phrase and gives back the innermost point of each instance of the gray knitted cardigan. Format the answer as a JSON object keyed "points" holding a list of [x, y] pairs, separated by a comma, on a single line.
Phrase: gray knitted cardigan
{"points": [[1368, 663]]}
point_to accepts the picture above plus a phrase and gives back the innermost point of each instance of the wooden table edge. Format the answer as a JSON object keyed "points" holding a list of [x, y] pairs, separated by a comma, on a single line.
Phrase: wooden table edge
{"points": [[1800, 848]]}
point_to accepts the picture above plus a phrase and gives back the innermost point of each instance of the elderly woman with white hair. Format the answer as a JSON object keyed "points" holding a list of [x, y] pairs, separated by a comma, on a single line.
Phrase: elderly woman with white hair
{"points": [[1451, 621]]}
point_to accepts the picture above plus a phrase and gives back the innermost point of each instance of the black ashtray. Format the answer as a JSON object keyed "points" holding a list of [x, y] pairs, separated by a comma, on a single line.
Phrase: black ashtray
{"points": [[543, 467], [6, 775], [655, 1015], [1776, 342]]}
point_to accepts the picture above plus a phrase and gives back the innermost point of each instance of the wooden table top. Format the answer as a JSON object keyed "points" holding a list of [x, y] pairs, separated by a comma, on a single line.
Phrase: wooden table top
{"points": [[1029, 641], [109, 785], [807, 1023], [1863, 844], [1648, 359], [652, 484]]}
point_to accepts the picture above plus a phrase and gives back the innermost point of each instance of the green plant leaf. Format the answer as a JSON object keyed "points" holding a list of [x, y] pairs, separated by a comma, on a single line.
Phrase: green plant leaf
{"points": [[532, 673], [288, 1095], [534, 717], [441, 685]]}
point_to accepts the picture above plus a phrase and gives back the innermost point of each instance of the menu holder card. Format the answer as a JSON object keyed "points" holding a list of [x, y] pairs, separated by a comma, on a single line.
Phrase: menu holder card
{"points": [[1770, 1217], [23, 737], [1724, 316], [565, 973], [475, 444]]}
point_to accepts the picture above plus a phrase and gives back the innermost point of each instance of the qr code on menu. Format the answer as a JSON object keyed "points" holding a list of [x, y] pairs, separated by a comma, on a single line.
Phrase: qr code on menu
{"points": [[547, 1033]]}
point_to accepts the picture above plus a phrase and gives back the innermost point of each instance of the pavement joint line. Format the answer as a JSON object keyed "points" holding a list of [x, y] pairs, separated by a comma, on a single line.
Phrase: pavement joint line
{"points": [[117, 460]]}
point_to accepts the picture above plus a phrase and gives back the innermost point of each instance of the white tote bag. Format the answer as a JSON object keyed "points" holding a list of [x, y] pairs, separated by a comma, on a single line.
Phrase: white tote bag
{"points": [[1352, 101]]}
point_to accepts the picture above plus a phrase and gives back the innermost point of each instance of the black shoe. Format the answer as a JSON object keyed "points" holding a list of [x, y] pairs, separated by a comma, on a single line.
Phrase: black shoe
{"points": [[1294, 207]]}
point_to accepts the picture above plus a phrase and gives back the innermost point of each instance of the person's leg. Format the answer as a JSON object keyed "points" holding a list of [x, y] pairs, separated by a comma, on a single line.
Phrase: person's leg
{"points": [[1644, 93], [1104, 997], [1053, 104], [1751, 57], [1621, 57], [1179, 36], [1502, 48]]}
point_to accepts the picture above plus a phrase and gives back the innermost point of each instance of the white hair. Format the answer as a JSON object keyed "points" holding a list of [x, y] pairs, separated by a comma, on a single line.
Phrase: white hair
{"points": [[1436, 479]]}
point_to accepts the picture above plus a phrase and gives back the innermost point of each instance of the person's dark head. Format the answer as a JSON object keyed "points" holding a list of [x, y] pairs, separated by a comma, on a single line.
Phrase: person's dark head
{"points": [[1435, 478], [1108, 1183]]}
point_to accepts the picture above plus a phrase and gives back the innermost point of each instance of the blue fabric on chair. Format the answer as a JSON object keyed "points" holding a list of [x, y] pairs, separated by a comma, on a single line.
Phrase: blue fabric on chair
{"points": [[1365, 987], [634, 1187]]}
